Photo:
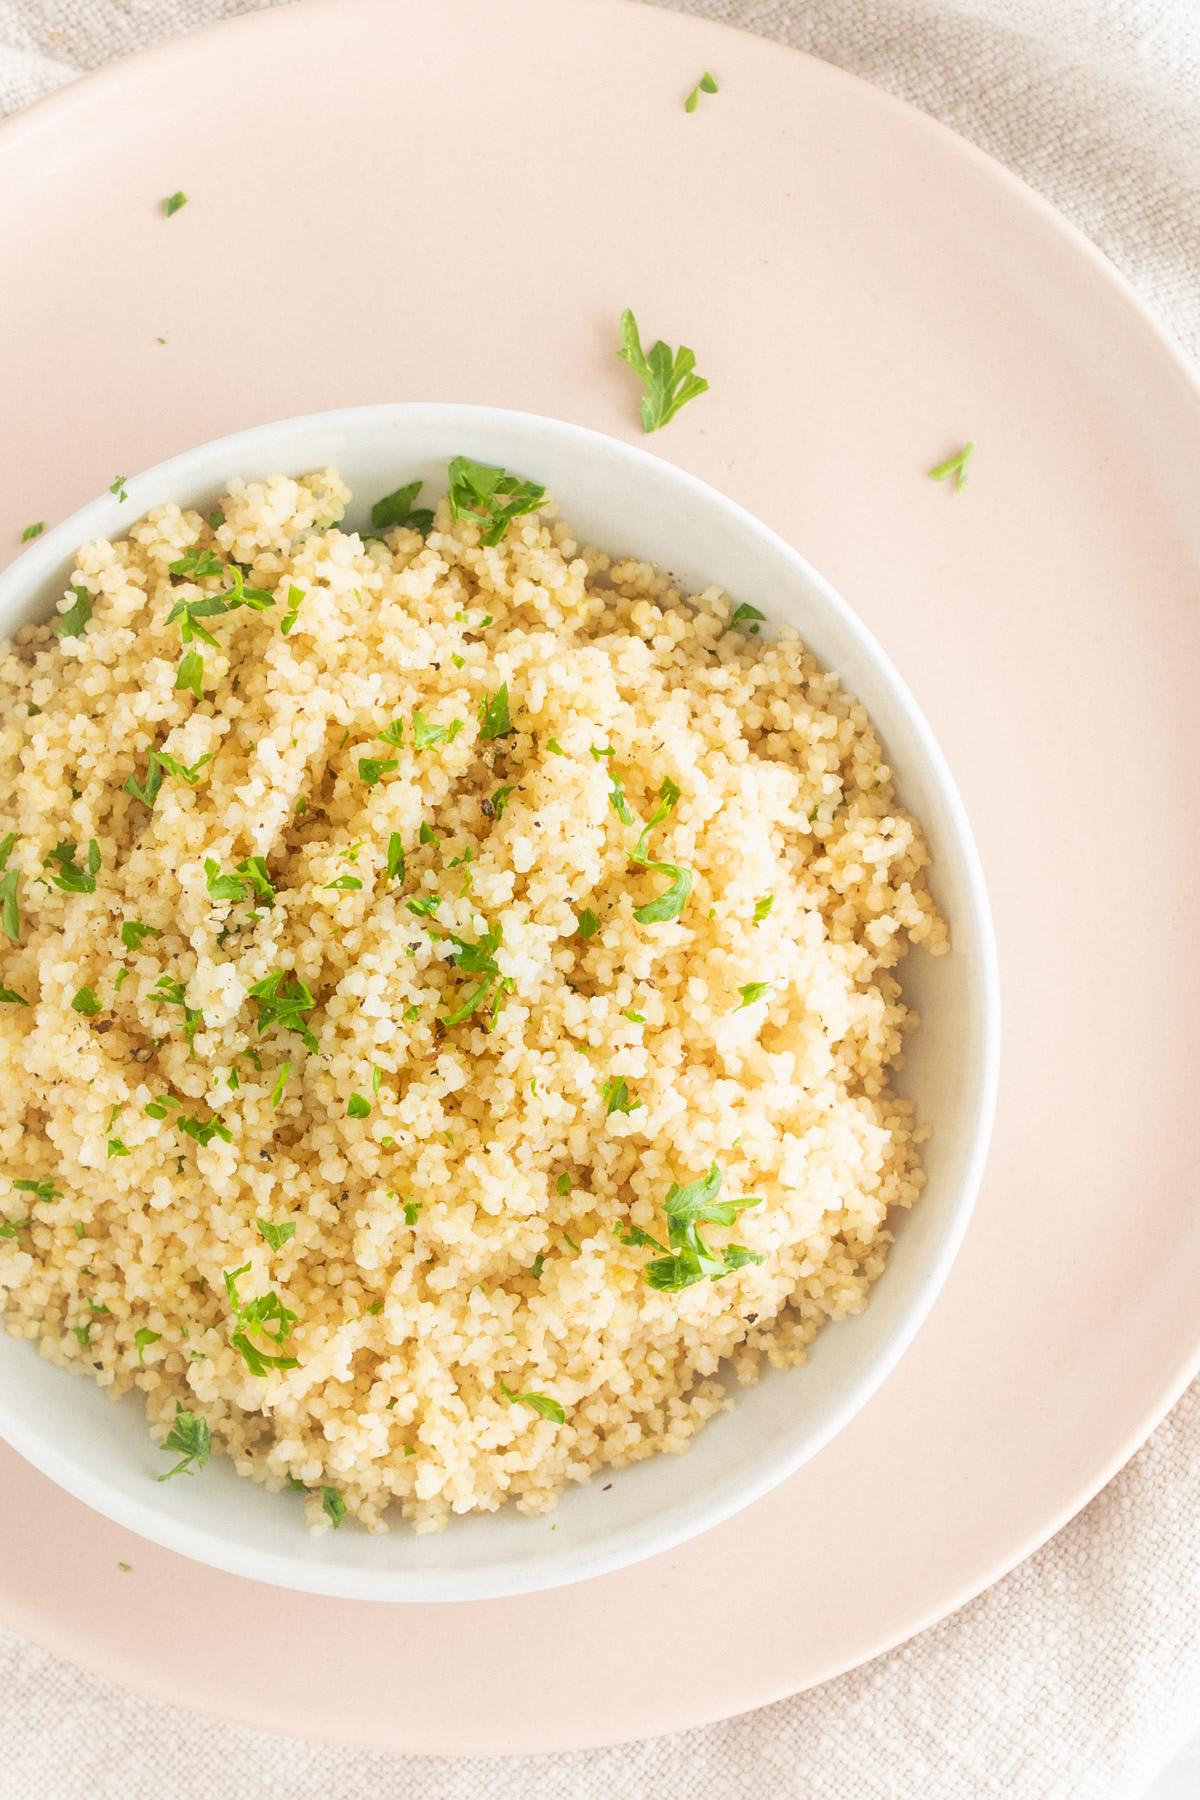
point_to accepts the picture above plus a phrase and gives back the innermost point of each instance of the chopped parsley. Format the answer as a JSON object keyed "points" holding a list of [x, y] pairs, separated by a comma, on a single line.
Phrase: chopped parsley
{"points": [[333, 1506], [554, 747], [143, 1337], [197, 564], [358, 1106], [494, 808], [85, 1002], [285, 1003], [707, 84], [173, 202], [490, 496], [117, 486], [479, 959], [688, 1258], [372, 769], [158, 764], [670, 903], [133, 931], [617, 800], [10, 905], [589, 923], [395, 858], [541, 1404], [191, 1437], [255, 1319], [277, 1092], [412, 1211], [955, 466], [169, 992], [294, 596], [494, 721], [203, 1131], [746, 615], [32, 531], [425, 906], [345, 884], [539, 1263], [393, 733], [41, 1190], [10, 1227], [73, 623], [397, 509], [426, 734], [426, 834], [635, 1018], [10, 997], [66, 874], [753, 990], [276, 1236], [563, 1184], [117, 1148], [616, 1096], [763, 907], [667, 377], [189, 677]]}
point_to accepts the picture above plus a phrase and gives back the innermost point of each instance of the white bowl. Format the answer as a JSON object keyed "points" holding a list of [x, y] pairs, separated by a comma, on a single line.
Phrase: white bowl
{"points": [[624, 499]]}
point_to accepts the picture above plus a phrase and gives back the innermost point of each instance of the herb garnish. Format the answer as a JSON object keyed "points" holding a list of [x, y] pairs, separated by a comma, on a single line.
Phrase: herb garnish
{"points": [[254, 1318], [667, 378], [69, 877], [203, 1131], [117, 486], [294, 596], [345, 884], [276, 1236], [189, 677], [763, 907], [707, 84], [285, 1003], [397, 509], [395, 858], [425, 906], [197, 563], [479, 959], [332, 1504], [190, 1435], [143, 1337], [393, 733], [372, 769], [73, 622], [249, 880], [85, 1002], [494, 808], [158, 764], [753, 990], [412, 1211], [358, 1107], [10, 997], [955, 466], [616, 1096], [32, 531], [10, 882], [589, 924], [747, 615], [169, 992], [426, 734], [173, 202], [494, 721], [117, 1148], [687, 1259], [277, 1092], [671, 902], [41, 1190], [490, 497], [541, 1404]]}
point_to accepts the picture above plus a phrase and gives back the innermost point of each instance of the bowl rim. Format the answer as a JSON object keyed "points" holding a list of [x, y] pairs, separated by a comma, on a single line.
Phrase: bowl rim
{"points": [[104, 516]]}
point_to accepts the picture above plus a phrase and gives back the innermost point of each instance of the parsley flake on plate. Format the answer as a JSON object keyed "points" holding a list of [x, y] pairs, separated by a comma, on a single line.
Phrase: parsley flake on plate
{"points": [[117, 486], [490, 496], [32, 531], [667, 377], [173, 202], [954, 466], [707, 84]]}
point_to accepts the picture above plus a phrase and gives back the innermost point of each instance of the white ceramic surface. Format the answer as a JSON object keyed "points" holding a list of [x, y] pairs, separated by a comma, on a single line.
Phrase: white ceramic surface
{"points": [[627, 499]]}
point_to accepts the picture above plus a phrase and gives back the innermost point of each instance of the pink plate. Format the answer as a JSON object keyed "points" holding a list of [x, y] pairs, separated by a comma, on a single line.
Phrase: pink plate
{"points": [[454, 200]]}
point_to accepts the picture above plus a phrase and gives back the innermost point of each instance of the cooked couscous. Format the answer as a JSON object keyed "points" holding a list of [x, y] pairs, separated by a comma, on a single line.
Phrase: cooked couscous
{"points": [[448, 995]]}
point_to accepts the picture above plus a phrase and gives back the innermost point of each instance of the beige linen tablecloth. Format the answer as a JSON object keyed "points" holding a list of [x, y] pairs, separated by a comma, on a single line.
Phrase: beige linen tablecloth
{"points": [[1078, 1676]]}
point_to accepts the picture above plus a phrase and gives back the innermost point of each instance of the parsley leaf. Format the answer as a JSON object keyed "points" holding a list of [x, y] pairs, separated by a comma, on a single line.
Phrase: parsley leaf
{"points": [[425, 906], [589, 923], [189, 677], [143, 1337], [706, 85], [203, 1131], [285, 1003], [617, 800], [763, 907], [667, 377], [85, 1002], [426, 734], [41, 1190], [372, 769], [393, 733], [494, 807], [10, 905], [689, 1259], [254, 1319], [616, 1096], [358, 1107], [395, 858], [117, 1148], [753, 990], [197, 563], [955, 466], [345, 884], [541, 1404], [190, 1435], [412, 1211], [173, 202], [10, 997], [490, 496], [276, 1236], [169, 992], [333, 1506], [479, 959], [32, 531], [747, 615], [69, 878], [493, 714], [397, 509], [294, 596], [670, 903], [73, 623], [277, 1092]]}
